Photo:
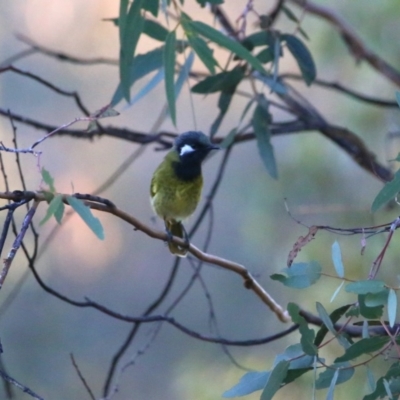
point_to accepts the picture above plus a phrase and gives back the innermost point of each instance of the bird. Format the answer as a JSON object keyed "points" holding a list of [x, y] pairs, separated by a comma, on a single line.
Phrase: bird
{"points": [[177, 183]]}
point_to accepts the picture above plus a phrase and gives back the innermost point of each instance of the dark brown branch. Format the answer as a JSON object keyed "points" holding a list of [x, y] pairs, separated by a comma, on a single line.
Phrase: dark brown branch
{"points": [[355, 44], [345, 90], [66, 57], [49, 85]]}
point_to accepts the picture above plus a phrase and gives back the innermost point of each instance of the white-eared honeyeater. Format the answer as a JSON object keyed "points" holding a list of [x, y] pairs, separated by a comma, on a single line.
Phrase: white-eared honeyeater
{"points": [[177, 183]]}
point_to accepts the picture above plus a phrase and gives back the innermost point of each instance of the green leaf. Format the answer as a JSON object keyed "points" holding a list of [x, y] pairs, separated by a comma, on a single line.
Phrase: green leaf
{"points": [[307, 334], [303, 57], [275, 379], [377, 299], [199, 46], [266, 55], [227, 43], [151, 6], [336, 292], [262, 38], [289, 13], [392, 307], [130, 30], [155, 30], [387, 193], [249, 383], [204, 2], [261, 121], [223, 81], [48, 180], [391, 376], [337, 259], [169, 69], [86, 214], [225, 98], [325, 318], [370, 378], [123, 12], [343, 372], [142, 65], [228, 139], [150, 85], [398, 98], [334, 317], [299, 275], [367, 311], [364, 287], [56, 208], [364, 346]]}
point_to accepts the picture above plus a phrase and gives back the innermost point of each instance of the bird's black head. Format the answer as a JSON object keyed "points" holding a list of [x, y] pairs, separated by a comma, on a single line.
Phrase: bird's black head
{"points": [[192, 148]]}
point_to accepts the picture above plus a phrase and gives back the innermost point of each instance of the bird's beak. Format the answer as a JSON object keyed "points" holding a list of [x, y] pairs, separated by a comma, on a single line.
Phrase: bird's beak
{"points": [[214, 147]]}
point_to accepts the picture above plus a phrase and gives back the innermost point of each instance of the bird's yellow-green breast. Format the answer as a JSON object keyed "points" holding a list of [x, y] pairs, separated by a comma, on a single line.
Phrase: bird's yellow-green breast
{"points": [[174, 198]]}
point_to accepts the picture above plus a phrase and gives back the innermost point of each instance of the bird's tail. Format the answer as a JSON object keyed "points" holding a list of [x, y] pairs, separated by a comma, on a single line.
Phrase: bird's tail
{"points": [[175, 228]]}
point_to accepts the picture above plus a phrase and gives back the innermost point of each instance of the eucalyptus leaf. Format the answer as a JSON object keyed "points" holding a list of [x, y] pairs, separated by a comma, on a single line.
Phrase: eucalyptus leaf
{"points": [[261, 124], [48, 180], [364, 287], [227, 43], [86, 214], [142, 65], [169, 71], [337, 259], [130, 31], [249, 383], [387, 193], [364, 346], [392, 307], [56, 208], [303, 57], [275, 379]]}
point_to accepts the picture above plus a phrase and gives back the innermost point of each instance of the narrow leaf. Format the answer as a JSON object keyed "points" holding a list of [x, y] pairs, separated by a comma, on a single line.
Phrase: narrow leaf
{"points": [[260, 122], [155, 30], [146, 89], [249, 383], [303, 57], [398, 98], [228, 43], [392, 307], [86, 214], [48, 180], [325, 318], [131, 30], [334, 317], [169, 69], [336, 292], [363, 346], [275, 380], [123, 11], [56, 208], [152, 6], [387, 193], [329, 395], [342, 371], [337, 259], [142, 65]]}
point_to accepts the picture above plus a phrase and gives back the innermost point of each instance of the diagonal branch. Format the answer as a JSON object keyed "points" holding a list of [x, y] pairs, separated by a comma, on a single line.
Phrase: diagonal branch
{"points": [[353, 41]]}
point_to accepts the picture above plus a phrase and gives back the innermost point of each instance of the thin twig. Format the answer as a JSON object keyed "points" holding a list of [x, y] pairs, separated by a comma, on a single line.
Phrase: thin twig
{"points": [[81, 377]]}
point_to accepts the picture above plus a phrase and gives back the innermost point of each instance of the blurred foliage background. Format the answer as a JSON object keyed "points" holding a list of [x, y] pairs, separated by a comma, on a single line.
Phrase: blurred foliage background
{"points": [[126, 272]]}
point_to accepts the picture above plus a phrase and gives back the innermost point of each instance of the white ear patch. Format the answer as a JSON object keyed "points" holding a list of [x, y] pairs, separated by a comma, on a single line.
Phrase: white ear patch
{"points": [[186, 149]]}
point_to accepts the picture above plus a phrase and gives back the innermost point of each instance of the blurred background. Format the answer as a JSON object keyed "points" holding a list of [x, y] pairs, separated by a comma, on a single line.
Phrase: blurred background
{"points": [[127, 271]]}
